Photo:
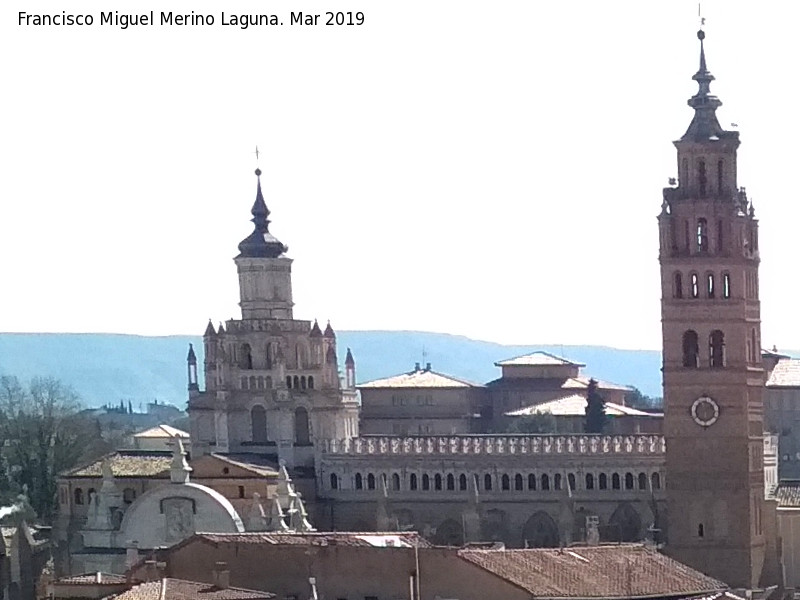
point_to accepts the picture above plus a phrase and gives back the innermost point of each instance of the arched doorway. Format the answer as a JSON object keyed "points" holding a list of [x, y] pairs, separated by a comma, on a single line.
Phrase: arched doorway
{"points": [[540, 531], [449, 533], [624, 525]]}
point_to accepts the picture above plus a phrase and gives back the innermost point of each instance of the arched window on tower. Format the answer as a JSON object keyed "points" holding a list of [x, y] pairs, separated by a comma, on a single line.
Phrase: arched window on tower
{"points": [[518, 482], [395, 482], [615, 481], [451, 482], [716, 349], [720, 177], [437, 482], [589, 481], [720, 237], [655, 481], [695, 286], [359, 481], [487, 482], [702, 235], [258, 424], [702, 182], [756, 347], [426, 482], [78, 496], [602, 481], [545, 482], [412, 482], [302, 432], [462, 482], [642, 481], [726, 285], [505, 482], [334, 481], [245, 357], [678, 285], [691, 349], [531, 481], [311, 382], [370, 481], [628, 481], [557, 481], [710, 285]]}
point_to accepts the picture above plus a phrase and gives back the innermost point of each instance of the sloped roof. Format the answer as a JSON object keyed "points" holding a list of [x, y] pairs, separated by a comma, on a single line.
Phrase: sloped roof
{"points": [[97, 578], [619, 571], [126, 463], [575, 405], [420, 378], [162, 431], [537, 359], [785, 374], [317, 538], [181, 589]]}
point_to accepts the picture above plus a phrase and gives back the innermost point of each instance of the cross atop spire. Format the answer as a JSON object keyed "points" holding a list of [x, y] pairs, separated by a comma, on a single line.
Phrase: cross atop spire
{"points": [[261, 243]]}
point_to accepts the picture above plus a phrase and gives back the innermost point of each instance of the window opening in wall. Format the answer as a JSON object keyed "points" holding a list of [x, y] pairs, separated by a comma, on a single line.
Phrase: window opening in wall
{"points": [[505, 483], [726, 285], [487, 482], [710, 285], [603, 481], [557, 481], [426, 482], [462, 482], [437, 482], [253, 384], [531, 481], [695, 286], [700, 530], [716, 349], [359, 482], [311, 382], [518, 482], [720, 238], [412, 482], [589, 481], [756, 352], [302, 430], [678, 290], [691, 349], [395, 481], [545, 482], [655, 481], [128, 495], [370, 481], [687, 237], [78, 496], [628, 481], [289, 381], [241, 491], [702, 235], [615, 481], [571, 481], [302, 382], [451, 482], [296, 382], [701, 178], [334, 481], [720, 172], [642, 481]]}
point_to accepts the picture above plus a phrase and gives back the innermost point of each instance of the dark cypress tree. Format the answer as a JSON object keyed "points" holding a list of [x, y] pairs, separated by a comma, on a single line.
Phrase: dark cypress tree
{"points": [[130, 408], [595, 409]]}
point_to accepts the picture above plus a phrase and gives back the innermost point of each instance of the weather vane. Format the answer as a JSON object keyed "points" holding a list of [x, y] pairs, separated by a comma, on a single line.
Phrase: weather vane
{"points": [[700, 14], [256, 155]]}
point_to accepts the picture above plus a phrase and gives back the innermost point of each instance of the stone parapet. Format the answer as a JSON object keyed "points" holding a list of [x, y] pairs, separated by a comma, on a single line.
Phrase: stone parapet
{"points": [[641, 444]]}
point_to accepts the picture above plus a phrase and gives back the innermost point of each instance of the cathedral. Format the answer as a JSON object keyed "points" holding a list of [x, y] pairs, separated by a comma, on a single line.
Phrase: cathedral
{"points": [[275, 396]]}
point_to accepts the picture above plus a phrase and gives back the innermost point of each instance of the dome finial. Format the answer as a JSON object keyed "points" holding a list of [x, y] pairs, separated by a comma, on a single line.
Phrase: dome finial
{"points": [[261, 243]]}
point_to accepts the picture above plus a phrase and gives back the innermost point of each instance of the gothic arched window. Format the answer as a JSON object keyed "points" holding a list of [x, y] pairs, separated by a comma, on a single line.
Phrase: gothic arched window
{"points": [[302, 433], [487, 482], [437, 482], [615, 481], [289, 381], [258, 424], [603, 481], [334, 481], [78, 495], [505, 482], [655, 481], [642, 481], [395, 481], [684, 176], [678, 285], [311, 382], [571, 481], [462, 482], [370, 481], [710, 285], [628, 481], [589, 481], [545, 482], [557, 481], [531, 481], [695, 286], [451, 482], [412, 482], [245, 357], [691, 349], [726, 285], [702, 235], [518, 482], [426, 482], [359, 482], [702, 183], [716, 349]]}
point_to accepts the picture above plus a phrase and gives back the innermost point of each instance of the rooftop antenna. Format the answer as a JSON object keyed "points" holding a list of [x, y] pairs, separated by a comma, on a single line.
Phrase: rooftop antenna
{"points": [[424, 355], [257, 153]]}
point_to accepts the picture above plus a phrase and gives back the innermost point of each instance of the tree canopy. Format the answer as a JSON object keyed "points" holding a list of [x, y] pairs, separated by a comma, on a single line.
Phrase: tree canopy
{"points": [[595, 409]]}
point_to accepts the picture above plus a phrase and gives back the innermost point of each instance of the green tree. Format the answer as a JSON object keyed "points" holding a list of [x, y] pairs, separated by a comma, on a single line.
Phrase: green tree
{"points": [[535, 423], [595, 409], [636, 399], [42, 434]]}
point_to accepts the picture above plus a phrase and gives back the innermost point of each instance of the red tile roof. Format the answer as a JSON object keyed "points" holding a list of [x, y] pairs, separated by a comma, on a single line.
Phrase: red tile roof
{"points": [[180, 589], [92, 579], [785, 374], [619, 571]]}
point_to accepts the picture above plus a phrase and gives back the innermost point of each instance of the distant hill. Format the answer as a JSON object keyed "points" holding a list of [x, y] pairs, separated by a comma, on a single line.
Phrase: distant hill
{"points": [[108, 367]]}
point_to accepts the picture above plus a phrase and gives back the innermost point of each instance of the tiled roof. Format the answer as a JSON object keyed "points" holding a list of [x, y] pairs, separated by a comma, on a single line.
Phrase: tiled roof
{"points": [[246, 463], [619, 571], [420, 378], [788, 493], [552, 384], [575, 405], [126, 463], [338, 538], [583, 382], [162, 431], [180, 589], [537, 359], [785, 374], [92, 579]]}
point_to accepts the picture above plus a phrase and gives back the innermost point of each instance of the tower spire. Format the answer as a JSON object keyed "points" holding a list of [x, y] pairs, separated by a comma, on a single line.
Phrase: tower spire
{"points": [[704, 125], [261, 243]]}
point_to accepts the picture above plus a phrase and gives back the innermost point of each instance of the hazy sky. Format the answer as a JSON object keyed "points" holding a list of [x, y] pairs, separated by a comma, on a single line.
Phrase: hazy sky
{"points": [[490, 169]]}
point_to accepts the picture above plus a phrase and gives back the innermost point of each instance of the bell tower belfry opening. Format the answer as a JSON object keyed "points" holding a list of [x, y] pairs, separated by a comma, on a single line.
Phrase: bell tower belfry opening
{"points": [[712, 372]]}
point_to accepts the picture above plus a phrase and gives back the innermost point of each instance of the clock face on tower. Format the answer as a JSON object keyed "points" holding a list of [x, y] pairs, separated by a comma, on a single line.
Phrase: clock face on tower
{"points": [[705, 411]]}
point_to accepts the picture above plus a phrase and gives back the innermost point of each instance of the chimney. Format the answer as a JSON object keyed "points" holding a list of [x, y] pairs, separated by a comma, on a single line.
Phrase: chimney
{"points": [[592, 530], [222, 576], [151, 571], [427, 366], [416, 367]]}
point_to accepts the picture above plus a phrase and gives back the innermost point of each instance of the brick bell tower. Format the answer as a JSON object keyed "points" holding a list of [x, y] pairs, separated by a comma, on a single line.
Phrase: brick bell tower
{"points": [[713, 376]]}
